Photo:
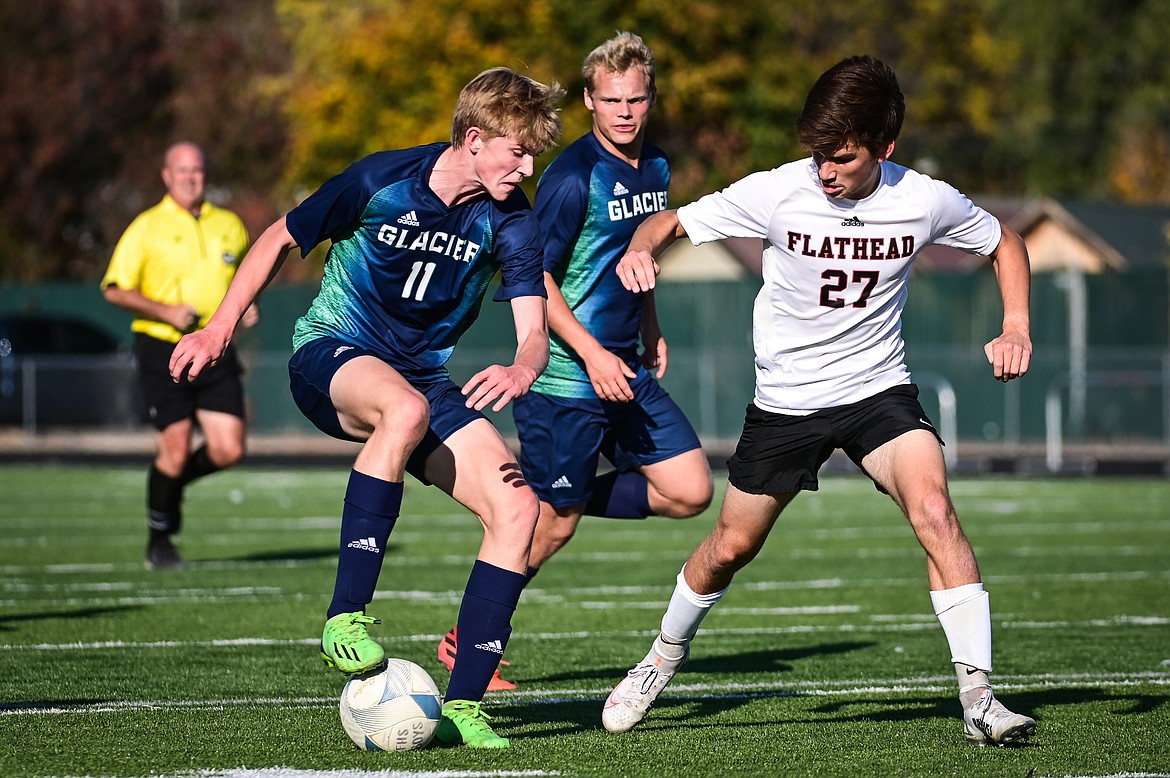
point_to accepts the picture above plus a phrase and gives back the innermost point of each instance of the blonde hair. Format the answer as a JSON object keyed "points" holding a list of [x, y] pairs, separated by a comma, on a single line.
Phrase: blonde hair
{"points": [[617, 55], [502, 103]]}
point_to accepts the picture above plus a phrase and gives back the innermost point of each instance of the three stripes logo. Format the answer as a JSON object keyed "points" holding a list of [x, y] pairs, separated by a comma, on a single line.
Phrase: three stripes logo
{"points": [[365, 544], [409, 219], [561, 483], [494, 646], [619, 189]]}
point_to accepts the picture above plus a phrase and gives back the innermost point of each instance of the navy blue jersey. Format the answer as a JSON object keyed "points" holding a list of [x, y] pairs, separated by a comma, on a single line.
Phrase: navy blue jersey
{"points": [[406, 273], [589, 203]]}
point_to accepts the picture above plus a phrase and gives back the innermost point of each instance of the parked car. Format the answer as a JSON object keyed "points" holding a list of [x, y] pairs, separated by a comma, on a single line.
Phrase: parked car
{"points": [[60, 370]]}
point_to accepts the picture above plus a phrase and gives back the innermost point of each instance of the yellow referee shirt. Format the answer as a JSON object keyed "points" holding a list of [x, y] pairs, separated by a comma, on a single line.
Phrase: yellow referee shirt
{"points": [[169, 255]]}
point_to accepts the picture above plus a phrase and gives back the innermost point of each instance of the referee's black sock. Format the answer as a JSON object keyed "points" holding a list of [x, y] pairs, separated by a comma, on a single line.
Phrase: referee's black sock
{"points": [[198, 465], [164, 495]]}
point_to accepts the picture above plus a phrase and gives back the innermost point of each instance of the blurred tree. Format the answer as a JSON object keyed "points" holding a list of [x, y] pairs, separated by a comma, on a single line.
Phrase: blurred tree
{"points": [[1090, 100], [83, 85], [92, 92], [1068, 99], [732, 77]]}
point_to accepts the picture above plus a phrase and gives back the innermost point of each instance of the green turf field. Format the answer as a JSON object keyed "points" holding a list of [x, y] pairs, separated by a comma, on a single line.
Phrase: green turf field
{"points": [[823, 660]]}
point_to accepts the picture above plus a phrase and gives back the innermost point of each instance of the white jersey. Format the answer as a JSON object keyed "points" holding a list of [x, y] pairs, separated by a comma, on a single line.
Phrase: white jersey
{"points": [[827, 324]]}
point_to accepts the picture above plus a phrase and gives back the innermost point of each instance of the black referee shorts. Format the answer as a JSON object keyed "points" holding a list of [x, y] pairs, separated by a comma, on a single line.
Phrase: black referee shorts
{"points": [[218, 387], [781, 454]]}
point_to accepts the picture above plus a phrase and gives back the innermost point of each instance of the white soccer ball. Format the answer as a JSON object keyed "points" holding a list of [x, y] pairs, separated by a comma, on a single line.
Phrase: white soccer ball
{"points": [[397, 709]]}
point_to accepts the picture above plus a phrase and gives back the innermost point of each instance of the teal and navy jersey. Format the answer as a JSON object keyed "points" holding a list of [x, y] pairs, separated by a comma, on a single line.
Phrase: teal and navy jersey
{"points": [[589, 203], [406, 273]]}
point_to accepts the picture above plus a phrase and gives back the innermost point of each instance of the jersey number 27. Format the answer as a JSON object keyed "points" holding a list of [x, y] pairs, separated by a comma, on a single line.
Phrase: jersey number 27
{"points": [[839, 280]]}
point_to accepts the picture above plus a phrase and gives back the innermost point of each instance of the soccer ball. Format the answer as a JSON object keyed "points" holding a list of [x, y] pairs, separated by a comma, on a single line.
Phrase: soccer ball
{"points": [[397, 709]]}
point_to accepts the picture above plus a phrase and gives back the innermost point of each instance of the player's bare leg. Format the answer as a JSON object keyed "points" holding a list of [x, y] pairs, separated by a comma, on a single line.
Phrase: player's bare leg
{"points": [[375, 404], [743, 525], [476, 467], [911, 468], [679, 487]]}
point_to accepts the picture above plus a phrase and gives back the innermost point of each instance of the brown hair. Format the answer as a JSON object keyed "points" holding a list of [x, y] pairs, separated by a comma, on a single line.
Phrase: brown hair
{"points": [[617, 55], [856, 101], [503, 103]]}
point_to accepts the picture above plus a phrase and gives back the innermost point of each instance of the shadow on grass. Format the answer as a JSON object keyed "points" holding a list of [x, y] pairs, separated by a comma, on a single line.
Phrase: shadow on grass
{"points": [[687, 710], [779, 660], [287, 555], [79, 613], [297, 555]]}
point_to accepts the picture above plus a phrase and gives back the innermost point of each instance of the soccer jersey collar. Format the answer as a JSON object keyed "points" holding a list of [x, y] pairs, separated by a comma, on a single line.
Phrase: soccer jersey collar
{"points": [[169, 203]]}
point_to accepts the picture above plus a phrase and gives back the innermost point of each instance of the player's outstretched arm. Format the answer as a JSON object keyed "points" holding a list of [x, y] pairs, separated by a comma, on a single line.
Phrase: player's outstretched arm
{"points": [[505, 383], [637, 268], [1011, 352], [199, 349]]}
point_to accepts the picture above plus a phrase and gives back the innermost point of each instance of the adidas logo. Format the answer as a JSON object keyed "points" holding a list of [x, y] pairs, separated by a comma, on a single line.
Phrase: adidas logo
{"points": [[561, 483], [853, 221], [495, 646], [619, 189], [409, 219], [367, 544], [340, 350]]}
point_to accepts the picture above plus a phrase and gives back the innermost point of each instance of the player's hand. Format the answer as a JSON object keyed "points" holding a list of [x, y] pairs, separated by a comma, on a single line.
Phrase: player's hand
{"points": [[195, 351], [1009, 354], [182, 317], [637, 271], [610, 376], [654, 355], [499, 383]]}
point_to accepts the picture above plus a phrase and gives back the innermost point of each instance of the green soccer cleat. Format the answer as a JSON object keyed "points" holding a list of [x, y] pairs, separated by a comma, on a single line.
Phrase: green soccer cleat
{"points": [[465, 722], [346, 645]]}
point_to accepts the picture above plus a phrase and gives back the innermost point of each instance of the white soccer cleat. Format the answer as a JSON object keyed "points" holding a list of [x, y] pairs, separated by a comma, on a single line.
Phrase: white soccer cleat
{"points": [[631, 699], [988, 722]]}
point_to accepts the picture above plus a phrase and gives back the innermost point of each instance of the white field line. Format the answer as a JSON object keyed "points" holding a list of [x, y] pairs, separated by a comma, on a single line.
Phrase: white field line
{"points": [[111, 592], [293, 772], [799, 629], [10, 576], [693, 691]]}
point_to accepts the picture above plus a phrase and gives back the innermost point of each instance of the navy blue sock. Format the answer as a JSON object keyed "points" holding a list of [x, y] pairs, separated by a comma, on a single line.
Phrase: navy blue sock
{"points": [[618, 495], [485, 623], [371, 506]]}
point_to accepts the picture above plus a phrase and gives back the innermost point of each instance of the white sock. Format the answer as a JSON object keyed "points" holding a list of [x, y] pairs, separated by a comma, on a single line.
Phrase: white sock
{"points": [[685, 613], [965, 615]]}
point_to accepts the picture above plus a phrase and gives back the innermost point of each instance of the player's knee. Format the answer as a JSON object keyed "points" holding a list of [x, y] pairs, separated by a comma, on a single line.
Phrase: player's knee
{"points": [[732, 553], [227, 454], [696, 498], [555, 533], [513, 512], [406, 416], [936, 516]]}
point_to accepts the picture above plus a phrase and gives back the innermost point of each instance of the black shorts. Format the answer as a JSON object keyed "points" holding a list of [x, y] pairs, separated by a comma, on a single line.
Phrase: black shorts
{"points": [[164, 402], [781, 454]]}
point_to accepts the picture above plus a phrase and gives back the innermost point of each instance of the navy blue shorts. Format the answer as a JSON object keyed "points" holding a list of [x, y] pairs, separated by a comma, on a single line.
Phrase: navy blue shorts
{"points": [[561, 438], [312, 367], [780, 454]]}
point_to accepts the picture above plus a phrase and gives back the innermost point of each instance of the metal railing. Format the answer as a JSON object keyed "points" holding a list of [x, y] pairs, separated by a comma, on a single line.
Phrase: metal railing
{"points": [[1080, 382]]}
